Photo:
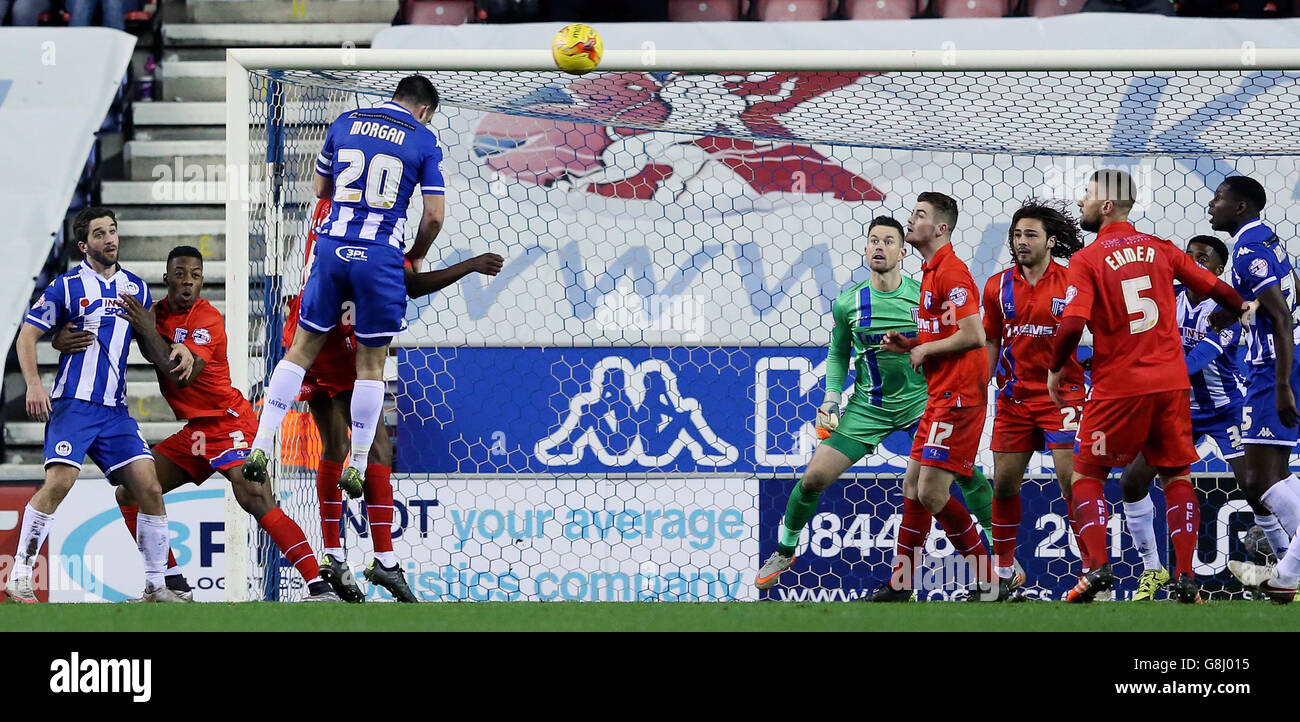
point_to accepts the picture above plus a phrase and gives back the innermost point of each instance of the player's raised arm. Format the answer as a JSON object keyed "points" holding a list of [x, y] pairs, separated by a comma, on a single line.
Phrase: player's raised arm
{"points": [[434, 188], [427, 282]]}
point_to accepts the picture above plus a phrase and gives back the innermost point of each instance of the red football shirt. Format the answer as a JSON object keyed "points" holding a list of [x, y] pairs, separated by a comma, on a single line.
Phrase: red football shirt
{"points": [[1026, 319], [948, 294], [203, 331], [1123, 286]]}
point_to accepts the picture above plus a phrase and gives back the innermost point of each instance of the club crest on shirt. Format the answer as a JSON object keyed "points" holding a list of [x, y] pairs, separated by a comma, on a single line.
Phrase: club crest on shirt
{"points": [[916, 315], [1058, 306], [132, 288], [929, 298], [1259, 268], [202, 337], [178, 336], [1225, 337], [958, 296]]}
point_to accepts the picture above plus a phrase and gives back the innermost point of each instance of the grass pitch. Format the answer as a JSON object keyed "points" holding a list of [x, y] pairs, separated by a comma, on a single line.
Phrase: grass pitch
{"points": [[650, 617]]}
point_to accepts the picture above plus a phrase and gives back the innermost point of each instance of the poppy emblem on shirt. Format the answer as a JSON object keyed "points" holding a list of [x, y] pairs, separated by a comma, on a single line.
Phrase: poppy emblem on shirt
{"points": [[202, 337], [1259, 268]]}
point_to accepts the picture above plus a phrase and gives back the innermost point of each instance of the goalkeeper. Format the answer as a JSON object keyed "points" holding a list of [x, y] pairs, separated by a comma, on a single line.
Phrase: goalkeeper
{"points": [[888, 395]]}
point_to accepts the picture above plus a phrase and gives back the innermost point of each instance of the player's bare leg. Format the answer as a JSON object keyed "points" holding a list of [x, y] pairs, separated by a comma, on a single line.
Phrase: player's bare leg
{"points": [[170, 478], [827, 465], [1139, 517], [281, 391], [37, 518], [365, 409], [257, 500], [152, 534]]}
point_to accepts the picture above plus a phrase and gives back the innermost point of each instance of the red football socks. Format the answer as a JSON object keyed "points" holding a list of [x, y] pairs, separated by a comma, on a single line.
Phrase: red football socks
{"points": [[1006, 524], [1183, 514], [379, 506], [291, 542], [331, 502], [912, 531], [1090, 514]]}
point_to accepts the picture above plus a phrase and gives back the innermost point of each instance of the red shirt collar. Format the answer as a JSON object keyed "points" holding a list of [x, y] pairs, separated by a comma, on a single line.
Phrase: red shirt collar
{"points": [[938, 257], [166, 309], [1118, 228], [1052, 267]]}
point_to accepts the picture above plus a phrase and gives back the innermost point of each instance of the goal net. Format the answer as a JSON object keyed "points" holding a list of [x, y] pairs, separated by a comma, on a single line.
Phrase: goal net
{"points": [[621, 413]]}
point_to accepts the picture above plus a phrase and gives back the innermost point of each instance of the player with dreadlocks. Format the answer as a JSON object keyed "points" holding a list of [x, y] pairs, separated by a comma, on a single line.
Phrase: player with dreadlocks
{"points": [[1022, 309]]}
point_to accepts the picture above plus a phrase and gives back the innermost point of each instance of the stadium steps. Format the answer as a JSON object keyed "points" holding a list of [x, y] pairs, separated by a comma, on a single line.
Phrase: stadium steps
{"points": [[150, 240], [306, 34], [179, 113], [151, 159], [193, 80], [184, 193]]}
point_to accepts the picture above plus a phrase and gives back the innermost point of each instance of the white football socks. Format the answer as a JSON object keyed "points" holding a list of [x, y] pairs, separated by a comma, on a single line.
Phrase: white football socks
{"points": [[281, 391], [152, 540], [388, 559], [1273, 531], [35, 527], [1140, 518], [367, 405], [336, 552], [1284, 504]]}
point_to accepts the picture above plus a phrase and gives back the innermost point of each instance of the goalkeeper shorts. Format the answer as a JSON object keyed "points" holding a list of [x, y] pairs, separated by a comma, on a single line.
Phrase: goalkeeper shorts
{"points": [[861, 430]]}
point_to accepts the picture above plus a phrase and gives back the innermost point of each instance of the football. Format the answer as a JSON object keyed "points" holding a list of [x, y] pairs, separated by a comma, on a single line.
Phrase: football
{"points": [[577, 49]]}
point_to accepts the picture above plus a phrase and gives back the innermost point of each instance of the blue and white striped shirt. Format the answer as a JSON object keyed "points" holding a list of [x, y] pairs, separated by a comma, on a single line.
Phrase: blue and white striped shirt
{"points": [[1218, 383], [1260, 260], [90, 302], [377, 156]]}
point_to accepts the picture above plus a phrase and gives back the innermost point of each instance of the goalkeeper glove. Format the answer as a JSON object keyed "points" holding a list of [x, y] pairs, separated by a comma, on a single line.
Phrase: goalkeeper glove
{"points": [[828, 416]]}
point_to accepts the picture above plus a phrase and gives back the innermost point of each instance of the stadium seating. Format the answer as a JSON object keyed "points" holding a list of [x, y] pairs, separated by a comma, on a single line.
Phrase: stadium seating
{"points": [[1046, 8], [968, 8], [697, 10], [879, 9], [439, 12], [788, 10]]}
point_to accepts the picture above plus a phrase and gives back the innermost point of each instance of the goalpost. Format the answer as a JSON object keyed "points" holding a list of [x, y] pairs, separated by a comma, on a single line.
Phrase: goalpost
{"points": [[621, 413]]}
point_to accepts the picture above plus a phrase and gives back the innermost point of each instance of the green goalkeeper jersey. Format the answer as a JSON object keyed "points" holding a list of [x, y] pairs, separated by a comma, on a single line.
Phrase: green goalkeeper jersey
{"points": [[885, 380]]}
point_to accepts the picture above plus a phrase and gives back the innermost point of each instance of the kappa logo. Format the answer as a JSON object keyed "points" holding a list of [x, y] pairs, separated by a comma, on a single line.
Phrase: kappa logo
{"points": [[1266, 433], [63, 448], [633, 414], [350, 253]]}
